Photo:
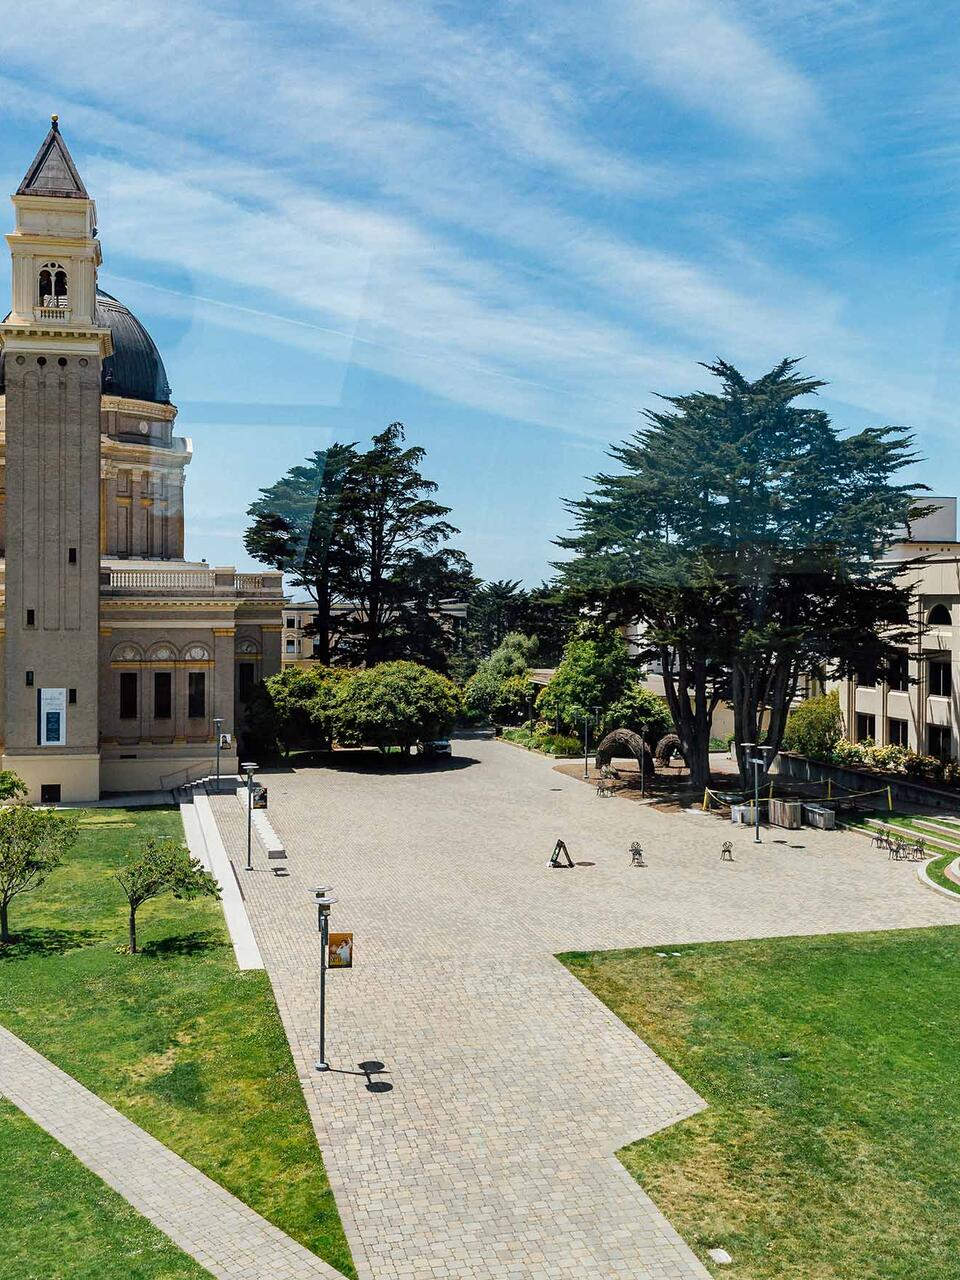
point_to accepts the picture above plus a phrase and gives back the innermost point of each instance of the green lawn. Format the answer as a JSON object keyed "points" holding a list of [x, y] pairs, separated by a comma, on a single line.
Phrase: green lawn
{"points": [[59, 1219], [830, 1149], [176, 1038]]}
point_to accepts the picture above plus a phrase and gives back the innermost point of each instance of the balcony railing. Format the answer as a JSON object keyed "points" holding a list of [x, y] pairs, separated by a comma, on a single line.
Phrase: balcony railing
{"points": [[189, 582], [51, 313]]}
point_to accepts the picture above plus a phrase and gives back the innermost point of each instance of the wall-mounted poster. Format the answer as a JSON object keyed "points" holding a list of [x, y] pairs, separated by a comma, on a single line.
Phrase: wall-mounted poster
{"points": [[52, 715], [340, 951]]}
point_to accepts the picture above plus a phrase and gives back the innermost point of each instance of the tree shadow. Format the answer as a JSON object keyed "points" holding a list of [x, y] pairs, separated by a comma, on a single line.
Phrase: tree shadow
{"points": [[183, 1084], [181, 944], [29, 942], [366, 760]]}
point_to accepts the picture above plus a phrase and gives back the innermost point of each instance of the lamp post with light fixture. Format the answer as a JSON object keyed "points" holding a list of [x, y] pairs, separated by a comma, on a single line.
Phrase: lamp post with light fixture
{"points": [[249, 768], [323, 902]]}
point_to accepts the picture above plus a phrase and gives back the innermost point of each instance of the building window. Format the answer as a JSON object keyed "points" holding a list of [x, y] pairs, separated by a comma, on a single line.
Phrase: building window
{"points": [[72, 697], [866, 727], [128, 695], [291, 624], [867, 678], [291, 646], [162, 695], [939, 616], [938, 740], [897, 734], [196, 695], [246, 672], [71, 555], [29, 679], [31, 618], [898, 672], [939, 675]]}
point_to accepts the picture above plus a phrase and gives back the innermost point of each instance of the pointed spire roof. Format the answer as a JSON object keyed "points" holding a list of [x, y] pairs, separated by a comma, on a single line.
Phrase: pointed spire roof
{"points": [[53, 172]]}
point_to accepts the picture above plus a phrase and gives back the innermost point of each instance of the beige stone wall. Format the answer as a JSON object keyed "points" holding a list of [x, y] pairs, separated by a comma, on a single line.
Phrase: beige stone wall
{"points": [[53, 563]]}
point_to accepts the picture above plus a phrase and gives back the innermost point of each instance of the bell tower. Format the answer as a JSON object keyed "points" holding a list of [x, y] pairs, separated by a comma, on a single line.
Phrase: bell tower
{"points": [[53, 351]]}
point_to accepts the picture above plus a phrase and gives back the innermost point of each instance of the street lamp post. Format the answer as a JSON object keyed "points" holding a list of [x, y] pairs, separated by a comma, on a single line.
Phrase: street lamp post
{"points": [[249, 769], [323, 901], [594, 714], [758, 762], [217, 726]]}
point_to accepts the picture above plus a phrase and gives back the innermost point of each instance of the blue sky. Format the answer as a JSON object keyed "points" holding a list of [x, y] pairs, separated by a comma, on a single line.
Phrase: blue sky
{"points": [[507, 225]]}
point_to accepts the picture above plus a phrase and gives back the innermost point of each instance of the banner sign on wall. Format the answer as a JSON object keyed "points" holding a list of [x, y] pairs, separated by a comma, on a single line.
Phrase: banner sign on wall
{"points": [[52, 717]]}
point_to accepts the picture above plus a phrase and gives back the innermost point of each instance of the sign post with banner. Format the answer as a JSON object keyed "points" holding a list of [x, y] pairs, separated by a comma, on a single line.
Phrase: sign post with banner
{"points": [[52, 717]]}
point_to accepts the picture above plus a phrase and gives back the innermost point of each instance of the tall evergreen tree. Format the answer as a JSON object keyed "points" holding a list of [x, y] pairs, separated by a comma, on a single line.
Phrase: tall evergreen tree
{"points": [[399, 570], [298, 528], [743, 533]]}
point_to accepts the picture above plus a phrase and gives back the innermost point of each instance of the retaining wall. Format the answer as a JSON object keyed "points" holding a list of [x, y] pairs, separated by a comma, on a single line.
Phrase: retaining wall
{"points": [[906, 791]]}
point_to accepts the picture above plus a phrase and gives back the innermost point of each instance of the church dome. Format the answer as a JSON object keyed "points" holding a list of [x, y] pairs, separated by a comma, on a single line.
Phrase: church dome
{"points": [[135, 370]]}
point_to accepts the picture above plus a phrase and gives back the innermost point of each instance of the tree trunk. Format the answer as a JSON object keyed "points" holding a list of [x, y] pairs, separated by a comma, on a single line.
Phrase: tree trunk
{"points": [[4, 927], [133, 931], [692, 725], [321, 628]]}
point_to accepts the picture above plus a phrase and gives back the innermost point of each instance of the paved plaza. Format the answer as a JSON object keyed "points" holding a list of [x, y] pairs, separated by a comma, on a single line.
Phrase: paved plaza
{"points": [[491, 1154]]}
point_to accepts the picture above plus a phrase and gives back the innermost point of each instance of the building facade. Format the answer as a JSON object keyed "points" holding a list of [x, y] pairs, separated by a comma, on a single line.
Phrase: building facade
{"points": [[914, 702], [119, 656]]}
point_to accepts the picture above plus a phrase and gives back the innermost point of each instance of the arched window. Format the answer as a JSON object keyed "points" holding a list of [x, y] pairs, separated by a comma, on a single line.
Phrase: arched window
{"points": [[939, 616], [52, 285]]}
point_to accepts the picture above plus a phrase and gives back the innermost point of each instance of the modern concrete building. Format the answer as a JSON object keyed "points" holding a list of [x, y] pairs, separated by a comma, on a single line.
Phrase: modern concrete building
{"points": [[118, 654], [914, 703]]}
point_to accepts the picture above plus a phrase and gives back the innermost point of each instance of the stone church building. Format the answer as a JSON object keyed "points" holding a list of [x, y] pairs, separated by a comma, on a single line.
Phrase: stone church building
{"points": [[119, 656]]}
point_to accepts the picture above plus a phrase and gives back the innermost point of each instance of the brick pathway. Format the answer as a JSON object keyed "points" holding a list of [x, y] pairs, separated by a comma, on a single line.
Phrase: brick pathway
{"points": [[492, 1155], [206, 1221]]}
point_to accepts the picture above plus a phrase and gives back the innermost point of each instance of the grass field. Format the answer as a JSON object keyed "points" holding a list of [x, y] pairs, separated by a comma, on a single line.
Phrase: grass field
{"points": [[830, 1148], [59, 1220], [176, 1038]]}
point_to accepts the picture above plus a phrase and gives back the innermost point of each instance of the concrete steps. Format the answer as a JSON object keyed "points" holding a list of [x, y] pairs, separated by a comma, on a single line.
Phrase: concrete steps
{"points": [[944, 832]]}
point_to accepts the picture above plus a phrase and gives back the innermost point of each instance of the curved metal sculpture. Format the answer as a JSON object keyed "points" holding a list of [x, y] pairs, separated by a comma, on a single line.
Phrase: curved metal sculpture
{"points": [[634, 744], [668, 747]]}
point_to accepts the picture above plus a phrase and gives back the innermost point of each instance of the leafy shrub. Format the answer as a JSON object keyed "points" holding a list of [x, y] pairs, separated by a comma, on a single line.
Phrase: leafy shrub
{"points": [[542, 739], [395, 704], [492, 691], [594, 672], [640, 710], [815, 727]]}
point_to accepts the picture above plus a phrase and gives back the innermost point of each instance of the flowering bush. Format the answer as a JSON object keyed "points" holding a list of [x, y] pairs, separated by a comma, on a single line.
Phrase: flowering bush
{"points": [[895, 759]]}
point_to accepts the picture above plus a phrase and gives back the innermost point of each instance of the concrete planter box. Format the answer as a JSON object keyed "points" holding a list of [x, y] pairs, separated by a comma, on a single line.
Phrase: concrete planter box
{"points": [[818, 815], [905, 791]]}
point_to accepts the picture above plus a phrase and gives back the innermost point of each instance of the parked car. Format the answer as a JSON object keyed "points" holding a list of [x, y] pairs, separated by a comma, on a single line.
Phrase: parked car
{"points": [[439, 747]]}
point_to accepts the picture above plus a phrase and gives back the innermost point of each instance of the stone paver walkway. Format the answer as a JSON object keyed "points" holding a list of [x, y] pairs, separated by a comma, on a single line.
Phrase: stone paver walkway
{"points": [[203, 1219], [511, 1086]]}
